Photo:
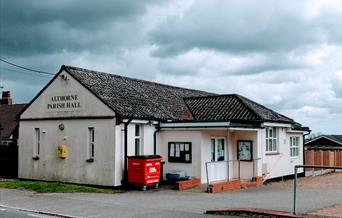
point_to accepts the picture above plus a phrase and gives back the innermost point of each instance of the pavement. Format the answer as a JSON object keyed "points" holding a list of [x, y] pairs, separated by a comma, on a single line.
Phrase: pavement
{"points": [[168, 203], [12, 213]]}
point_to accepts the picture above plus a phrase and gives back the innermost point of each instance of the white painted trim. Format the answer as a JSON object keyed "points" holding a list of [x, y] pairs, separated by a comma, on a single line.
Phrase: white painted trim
{"points": [[193, 129], [277, 124], [322, 136], [295, 131], [195, 124], [141, 121], [242, 129]]}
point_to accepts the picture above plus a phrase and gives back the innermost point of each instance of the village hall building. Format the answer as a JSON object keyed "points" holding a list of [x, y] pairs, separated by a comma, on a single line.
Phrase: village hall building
{"points": [[83, 125]]}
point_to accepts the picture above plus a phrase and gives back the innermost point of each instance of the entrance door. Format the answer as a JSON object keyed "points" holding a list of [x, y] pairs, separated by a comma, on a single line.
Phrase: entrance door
{"points": [[218, 169]]}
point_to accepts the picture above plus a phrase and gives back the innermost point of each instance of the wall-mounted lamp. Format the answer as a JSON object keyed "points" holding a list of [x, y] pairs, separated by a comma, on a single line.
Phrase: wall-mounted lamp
{"points": [[64, 77]]}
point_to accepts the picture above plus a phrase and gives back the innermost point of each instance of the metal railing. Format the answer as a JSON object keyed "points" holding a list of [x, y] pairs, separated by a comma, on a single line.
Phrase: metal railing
{"points": [[296, 178], [230, 161]]}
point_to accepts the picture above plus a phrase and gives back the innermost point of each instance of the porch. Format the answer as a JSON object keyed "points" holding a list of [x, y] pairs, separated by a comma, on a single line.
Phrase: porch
{"points": [[215, 155], [235, 159], [231, 183]]}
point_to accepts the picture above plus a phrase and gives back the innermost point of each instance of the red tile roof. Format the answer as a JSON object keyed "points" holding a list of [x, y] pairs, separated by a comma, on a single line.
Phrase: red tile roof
{"points": [[9, 118]]}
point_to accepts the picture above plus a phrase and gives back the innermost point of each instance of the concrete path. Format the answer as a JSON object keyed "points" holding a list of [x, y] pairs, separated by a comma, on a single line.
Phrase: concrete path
{"points": [[169, 203]]}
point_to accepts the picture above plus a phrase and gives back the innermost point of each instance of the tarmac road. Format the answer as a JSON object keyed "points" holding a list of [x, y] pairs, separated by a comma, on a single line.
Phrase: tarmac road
{"points": [[10, 213], [168, 203]]}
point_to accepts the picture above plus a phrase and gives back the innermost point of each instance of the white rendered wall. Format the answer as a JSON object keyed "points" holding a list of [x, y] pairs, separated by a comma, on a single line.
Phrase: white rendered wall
{"points": [[281, 164], [246, 167], [146, 146], [193, 169], [74, 168]]}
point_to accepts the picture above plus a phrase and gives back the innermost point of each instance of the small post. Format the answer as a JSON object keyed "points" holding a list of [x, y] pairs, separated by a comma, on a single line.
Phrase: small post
{"points": [[253, 168], [295, 190], [206, 170], [228, 170], [239, 168]]}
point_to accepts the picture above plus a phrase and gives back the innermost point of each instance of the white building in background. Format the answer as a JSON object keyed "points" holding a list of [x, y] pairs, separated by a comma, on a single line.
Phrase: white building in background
{"points": [[83, 124]]}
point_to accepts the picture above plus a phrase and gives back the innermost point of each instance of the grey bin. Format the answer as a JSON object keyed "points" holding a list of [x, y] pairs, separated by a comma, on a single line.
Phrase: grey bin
{"points": [[176, 175]]}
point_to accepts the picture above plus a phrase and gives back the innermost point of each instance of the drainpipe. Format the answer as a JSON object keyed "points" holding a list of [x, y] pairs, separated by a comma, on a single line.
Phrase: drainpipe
{"points": [[125, 180], [155, 139]]}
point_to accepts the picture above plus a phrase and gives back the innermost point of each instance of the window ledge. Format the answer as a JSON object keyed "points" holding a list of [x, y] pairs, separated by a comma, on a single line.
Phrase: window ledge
{"points": [[35, 158], [273, 153], [294, 157], [90, 160]]}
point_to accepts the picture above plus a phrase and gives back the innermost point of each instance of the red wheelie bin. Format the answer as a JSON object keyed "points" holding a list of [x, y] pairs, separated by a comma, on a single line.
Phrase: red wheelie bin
{"points": [[144, 171]]}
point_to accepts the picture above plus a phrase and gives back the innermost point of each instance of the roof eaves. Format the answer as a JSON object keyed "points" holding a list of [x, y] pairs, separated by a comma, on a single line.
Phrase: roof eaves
{"points": [[41, 91]]}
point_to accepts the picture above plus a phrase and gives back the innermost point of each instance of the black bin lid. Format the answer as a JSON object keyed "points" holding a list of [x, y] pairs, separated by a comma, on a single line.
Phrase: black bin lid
{"points": [[145, 156]]}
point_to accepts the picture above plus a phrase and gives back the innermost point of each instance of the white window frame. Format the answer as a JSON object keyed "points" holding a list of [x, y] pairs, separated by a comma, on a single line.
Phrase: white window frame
{"points": [[294, 146], [37, 142], [271, 139], [91, 142], [138, 138], [215, 149]]}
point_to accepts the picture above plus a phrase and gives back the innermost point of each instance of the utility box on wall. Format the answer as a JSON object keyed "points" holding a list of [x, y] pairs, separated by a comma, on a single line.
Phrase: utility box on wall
{"points": [[62, 151]]}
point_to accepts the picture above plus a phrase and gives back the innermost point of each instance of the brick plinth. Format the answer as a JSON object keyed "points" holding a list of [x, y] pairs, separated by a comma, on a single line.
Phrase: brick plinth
{"points": [[187, 184], [234, 185]]}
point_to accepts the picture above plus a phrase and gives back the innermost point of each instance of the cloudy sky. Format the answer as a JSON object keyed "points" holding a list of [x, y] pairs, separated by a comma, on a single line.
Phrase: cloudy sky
{"points": [[284, 54]]}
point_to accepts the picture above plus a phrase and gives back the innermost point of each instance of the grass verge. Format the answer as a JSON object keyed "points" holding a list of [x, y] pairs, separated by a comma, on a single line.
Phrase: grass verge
{"points": [[48, 187]]}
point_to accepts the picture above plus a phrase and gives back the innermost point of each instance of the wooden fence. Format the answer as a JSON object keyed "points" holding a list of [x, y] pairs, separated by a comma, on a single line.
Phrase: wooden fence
{"points": [[322, 158]]}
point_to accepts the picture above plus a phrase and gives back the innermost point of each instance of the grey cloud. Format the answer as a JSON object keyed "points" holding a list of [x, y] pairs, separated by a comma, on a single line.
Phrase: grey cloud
{"points": [[35, 27], [245, 26]]}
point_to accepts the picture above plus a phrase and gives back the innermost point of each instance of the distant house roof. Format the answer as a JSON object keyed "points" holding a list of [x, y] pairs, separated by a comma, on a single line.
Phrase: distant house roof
{"points": [[9, 118], [325, 142], [140, 99]]}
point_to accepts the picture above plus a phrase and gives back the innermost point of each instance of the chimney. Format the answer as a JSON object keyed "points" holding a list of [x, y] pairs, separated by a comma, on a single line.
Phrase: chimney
{"points": [[6, 98]]}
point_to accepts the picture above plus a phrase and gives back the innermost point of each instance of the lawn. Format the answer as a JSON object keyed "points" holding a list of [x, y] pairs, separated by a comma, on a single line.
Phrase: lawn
{"points": [[47, 187]]}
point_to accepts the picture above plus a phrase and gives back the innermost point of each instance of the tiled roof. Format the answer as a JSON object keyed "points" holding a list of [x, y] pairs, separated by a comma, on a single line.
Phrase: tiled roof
{"points": [[134, 98], [325, 142], [231, 107], [137, 98], [9, 118], [337, 138]]}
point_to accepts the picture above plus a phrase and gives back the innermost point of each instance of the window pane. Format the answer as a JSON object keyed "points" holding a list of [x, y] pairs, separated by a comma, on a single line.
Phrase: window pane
{"points": [[137, 146], [137, 130], [92, 150], [37, 141], [274, 144], [274, 132], [220, 150], [212, 149], [91, 136]]}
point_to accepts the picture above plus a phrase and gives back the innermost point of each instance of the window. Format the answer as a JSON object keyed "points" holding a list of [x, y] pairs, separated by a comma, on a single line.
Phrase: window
{"points": [[180, 152], [37, 142], [294, 146], [271, 139], [91, 135], [217, 149], [137, 140]]}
